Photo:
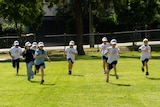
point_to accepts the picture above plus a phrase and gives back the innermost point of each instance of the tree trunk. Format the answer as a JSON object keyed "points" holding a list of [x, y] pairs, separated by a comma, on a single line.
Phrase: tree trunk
{"points": [[79, 25]]}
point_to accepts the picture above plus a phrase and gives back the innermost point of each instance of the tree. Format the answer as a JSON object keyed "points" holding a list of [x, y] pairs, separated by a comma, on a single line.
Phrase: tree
{"points": [[136, 12], [21, 13]]}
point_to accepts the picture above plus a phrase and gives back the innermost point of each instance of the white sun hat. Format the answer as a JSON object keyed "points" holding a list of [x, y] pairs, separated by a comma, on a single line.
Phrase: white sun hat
{"points": [[71, 42], [34, 44], [113, 41], [28, 44], [104, 39], [16, 43], [40, 44], [145, 39]]}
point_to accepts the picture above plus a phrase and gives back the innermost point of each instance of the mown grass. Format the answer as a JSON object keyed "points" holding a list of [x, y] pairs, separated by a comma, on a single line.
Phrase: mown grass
{"points": [[86, 87]]}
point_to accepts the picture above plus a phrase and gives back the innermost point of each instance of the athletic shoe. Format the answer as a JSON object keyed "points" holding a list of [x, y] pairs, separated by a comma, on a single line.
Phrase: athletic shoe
{"points": [[69, 72], [142, 69], [107, 79], [117, 77], [147, 73], [42, 81], [105, 71]]}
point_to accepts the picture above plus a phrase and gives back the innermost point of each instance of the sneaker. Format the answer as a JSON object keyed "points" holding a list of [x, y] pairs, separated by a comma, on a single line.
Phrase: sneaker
{"points": [[117, 77], [42, 81], [147, 73], [69, 72], [105, 72], [107, 79], [142, 69]]}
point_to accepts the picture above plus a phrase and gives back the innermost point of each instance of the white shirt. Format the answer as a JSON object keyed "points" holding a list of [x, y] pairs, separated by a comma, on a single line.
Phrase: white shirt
{"points": [[15, 52], [104, 49], [69, 53], [113, 54], [145, 52]]}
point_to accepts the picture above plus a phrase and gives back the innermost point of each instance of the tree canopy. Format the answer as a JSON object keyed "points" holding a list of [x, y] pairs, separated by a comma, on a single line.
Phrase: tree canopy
{"points": [[22, 13]]}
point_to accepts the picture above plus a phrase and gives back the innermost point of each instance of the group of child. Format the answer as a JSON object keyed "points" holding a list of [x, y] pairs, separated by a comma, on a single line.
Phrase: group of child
{"points": [[110, 54], [34, 54]]}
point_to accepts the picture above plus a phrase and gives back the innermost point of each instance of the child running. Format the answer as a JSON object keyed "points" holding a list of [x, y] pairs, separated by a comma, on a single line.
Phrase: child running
{"points": [[15, 53], [70, 53], [34, 47], [113, 55], [28, 54], [104, 48], [40, 55], [145, 50]]}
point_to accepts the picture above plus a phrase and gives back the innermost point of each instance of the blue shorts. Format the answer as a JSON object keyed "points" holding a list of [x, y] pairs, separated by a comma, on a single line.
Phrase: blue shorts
{"points": [[146, 60], [38, 66], [105, 58], [110, 66]]}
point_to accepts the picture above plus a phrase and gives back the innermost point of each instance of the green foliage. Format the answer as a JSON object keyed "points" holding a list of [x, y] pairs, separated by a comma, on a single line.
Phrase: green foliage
{"points": [[22, 13], [136, 12]]}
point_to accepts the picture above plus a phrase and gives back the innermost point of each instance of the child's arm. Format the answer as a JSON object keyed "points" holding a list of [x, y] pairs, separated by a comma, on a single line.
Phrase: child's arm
{"points": [[11, 55], [48, 58]]}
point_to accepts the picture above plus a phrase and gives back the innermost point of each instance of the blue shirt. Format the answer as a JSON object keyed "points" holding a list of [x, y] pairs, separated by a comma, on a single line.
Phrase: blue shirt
{"points": [[40, 60]]}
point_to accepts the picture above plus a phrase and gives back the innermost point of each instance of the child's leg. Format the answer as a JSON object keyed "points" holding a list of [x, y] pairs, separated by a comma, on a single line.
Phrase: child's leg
{"points": [[70, 65], [146, 64], [42, 72], [115, 70], [109, 68], [17, 64], [104, 64], [143, 64]]}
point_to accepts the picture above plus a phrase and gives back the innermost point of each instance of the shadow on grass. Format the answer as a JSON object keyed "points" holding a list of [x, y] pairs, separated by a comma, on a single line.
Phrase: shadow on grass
{"points": [[20, 75], [52, 84], [151, 78], [38, 82], [125, 85], [79, 75]]}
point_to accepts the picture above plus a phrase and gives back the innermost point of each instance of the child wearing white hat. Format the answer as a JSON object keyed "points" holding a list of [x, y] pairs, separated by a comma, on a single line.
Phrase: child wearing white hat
{"points": [[113, 55], [145, 50], [40, 55], [104, 47], [28, 54], [15, 53], [70, 53]]}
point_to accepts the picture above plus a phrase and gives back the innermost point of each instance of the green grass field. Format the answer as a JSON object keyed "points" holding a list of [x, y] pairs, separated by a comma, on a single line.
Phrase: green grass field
{"points": [[86, 87]]}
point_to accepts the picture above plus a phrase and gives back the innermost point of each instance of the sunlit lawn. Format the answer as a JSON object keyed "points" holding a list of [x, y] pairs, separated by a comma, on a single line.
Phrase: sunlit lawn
{"points": [[86, 87]]}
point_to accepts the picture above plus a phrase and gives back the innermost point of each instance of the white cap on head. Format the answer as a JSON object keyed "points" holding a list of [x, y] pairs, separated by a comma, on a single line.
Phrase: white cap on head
{"points": [[34, 44], [71, 42], [145, 39], [113, 41], [16, 43], [40, 44], [104, 39], [28, 44]]}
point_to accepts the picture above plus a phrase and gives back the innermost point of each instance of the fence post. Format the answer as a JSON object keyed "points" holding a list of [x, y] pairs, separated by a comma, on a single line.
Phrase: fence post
{"points": [[134, 37]]}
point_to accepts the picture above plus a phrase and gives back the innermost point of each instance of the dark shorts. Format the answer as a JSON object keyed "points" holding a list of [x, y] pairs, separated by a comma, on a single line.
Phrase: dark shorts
{"points": [[69, 59], [15, 63], [146, 60], [105, 58], [110, 66], [38, 66]]}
